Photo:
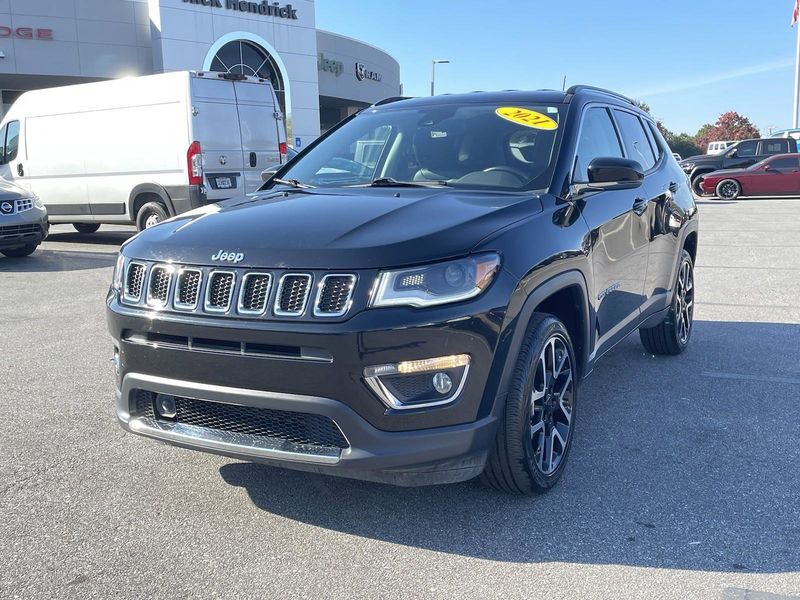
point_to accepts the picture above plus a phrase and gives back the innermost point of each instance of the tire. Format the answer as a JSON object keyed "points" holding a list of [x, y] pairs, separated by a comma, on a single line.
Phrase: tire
{"points": [[728, 189], [522, 459], [672, 335], [86, 227], [698, 191], [150, 215], [20, 252]]}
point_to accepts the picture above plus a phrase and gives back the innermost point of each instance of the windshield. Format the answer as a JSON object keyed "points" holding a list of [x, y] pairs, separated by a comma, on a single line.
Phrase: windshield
{"points": [[463, 146]]}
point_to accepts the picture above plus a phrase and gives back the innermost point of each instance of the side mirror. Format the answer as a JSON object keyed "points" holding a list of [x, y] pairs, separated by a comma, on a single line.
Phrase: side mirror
{"points": [[733, 152], [611, 172]]}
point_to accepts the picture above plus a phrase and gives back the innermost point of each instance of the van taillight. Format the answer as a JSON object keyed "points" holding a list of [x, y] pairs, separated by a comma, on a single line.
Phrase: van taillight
{"points": [[194, 159], [282, 148]]}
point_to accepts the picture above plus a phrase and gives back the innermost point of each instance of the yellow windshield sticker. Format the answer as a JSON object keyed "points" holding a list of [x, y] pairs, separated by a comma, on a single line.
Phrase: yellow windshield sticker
{"points": [[528, 118]]}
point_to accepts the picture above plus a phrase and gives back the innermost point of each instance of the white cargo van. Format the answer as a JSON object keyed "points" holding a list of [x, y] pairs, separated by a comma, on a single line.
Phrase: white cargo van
{"points": [[141, 149]]}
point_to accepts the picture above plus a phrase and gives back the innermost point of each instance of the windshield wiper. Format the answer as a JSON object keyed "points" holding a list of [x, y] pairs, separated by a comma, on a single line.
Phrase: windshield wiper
{"points": [[295, 183], [391, 182]]}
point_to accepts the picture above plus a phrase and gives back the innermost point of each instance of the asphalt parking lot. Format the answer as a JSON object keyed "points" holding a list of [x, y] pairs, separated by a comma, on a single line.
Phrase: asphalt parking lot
{"points": [[682, 483]]}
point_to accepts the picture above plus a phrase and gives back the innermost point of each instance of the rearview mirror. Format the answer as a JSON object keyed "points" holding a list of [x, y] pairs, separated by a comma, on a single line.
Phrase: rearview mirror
{"points": [[611, 172]]}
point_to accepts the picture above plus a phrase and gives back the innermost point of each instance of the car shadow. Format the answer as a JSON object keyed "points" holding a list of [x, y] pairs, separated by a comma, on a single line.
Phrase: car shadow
{"points": [[685, 462], [50, 261], [111, 237]]}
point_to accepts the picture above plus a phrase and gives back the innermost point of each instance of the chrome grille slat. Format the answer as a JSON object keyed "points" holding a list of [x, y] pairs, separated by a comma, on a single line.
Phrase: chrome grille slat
{"points": [[254, 293], [187, 289], [158, 286], [134, 281], [292, 296], [219, 291], [334, 295], [24, 204]]}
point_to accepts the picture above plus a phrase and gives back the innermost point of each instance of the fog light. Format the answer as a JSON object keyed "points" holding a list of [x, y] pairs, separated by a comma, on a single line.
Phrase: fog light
{"points": [[117, 362], [165, 406], [442, 383]]}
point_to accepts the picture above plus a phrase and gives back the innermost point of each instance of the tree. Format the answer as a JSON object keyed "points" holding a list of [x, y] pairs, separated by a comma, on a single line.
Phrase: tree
{"points": [[682, 143], [730, 126], [643, 105]]}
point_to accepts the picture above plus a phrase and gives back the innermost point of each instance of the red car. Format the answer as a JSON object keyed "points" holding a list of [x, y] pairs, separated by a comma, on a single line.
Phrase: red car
{"points": [[779, 174]]}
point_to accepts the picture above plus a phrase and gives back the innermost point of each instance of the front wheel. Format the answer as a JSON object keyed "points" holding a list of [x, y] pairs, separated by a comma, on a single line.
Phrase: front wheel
{"points": [[150, 215], [20, 252], [86, 227], [535, 432], [672, 335], [698, 191], [728, 189]]}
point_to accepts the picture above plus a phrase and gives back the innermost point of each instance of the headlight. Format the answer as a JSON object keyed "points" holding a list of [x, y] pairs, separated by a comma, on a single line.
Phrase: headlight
{"points": [[119, 268], [687, 166], [441, 283], [37, 202]]}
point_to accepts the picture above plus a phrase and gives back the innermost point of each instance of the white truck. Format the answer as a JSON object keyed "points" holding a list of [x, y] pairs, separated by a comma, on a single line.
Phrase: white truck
{"points": [[139, 150]]}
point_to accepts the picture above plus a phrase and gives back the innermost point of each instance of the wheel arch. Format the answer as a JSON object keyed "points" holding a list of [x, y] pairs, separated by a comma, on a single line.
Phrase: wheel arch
{"points": [[149, 192], [565, 297]]}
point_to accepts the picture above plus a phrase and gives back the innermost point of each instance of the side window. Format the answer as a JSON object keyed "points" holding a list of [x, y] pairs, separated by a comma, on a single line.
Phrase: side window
{"points": [[784, 163], [634, 138], [652, 135], [745, 149], [775, 147], [598, 138], [3, 145], [12, 142]]}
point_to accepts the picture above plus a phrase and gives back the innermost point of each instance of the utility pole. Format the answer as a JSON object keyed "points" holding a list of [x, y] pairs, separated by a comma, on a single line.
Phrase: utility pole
{"points": [[433, 73]]}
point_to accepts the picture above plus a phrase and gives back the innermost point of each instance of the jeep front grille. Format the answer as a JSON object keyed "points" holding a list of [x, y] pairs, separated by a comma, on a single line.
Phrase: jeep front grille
{"points": [[239, 292], [134, 282], [254, 293], [187, 289], [158, 290], [293, 294], [333, 297], [219, 291]]}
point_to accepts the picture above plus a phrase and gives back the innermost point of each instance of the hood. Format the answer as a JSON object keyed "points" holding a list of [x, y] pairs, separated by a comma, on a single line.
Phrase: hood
{"points": [[354, 228], [724, 173], [702, 158], [9, 191]]}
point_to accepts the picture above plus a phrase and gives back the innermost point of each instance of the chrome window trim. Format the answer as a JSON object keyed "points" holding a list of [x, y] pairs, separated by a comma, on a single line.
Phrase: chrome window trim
{"points": [[126, 297], [321, 286], [276, 309], [148, 296], [212, 309], [239, 306], [391, 401], [177, 304]]}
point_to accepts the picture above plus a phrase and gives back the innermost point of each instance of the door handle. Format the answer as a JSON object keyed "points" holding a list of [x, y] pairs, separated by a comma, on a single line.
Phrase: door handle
{"points": [[20, 170], [640, 205], [673, 186], [253, 159]]}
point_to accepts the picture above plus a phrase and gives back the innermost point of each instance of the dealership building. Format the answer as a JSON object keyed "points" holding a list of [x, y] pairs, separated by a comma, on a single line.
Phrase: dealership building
{"points": [[320, 77]]}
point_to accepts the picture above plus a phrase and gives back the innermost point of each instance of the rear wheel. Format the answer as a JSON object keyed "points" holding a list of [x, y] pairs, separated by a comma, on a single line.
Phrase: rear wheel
{"points": [[728, 189], [672, 335], [86, 227], [150, 215], [20, 252], [536, 429], [698, 191]]}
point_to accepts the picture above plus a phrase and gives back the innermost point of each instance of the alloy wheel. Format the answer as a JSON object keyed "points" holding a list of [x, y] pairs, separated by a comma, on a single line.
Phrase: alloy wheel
{"points": [[728, 189], [685, 301], [551, 406]]}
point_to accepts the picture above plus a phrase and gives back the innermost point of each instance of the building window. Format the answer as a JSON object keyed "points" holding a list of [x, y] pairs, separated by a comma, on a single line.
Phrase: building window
{"points": [[246, 58]]}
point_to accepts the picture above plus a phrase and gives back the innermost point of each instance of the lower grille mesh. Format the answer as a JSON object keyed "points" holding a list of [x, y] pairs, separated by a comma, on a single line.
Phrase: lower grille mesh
{"points": [[15, 230], [298, 428]]}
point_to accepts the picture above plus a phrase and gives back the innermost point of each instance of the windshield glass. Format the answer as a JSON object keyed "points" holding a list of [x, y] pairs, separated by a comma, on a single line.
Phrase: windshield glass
{"points": [[458, 145]]}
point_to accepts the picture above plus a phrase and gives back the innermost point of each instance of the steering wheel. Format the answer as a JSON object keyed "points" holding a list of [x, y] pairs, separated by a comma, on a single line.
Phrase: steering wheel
{"points": [[524, 178]]}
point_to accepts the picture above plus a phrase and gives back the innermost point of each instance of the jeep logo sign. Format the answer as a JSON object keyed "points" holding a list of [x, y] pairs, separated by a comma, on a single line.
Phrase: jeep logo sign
{"points": [[363, 73], [227, 256]]}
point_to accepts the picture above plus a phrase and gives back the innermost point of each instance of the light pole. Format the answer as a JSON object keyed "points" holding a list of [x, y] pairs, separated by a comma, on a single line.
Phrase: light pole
{"points": [[433, 72]]}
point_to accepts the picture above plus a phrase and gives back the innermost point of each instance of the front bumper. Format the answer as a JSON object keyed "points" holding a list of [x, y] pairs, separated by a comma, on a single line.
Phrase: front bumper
{"points": [[322, 374], [21, 229]]}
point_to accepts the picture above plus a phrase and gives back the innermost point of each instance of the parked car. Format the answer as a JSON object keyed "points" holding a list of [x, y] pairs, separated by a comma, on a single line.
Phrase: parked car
{"points": [[677, 156], [411, 300], [23, 220], [718, 147], [138, 150], [740, 155], [776, 175], [785, 133]]}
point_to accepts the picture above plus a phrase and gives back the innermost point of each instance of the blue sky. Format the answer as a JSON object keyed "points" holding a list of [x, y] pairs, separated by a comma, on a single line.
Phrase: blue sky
{"points": [[691, 61]]}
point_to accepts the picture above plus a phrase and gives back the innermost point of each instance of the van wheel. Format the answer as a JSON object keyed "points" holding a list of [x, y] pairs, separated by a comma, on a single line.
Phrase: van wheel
{"points": [[150, 215], [20, 252], [86, 227], [536, 429]]}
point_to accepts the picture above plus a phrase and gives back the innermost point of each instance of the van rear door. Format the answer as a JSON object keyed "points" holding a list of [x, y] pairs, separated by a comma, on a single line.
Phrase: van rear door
{"points": [[261, 127], [215, 125]]}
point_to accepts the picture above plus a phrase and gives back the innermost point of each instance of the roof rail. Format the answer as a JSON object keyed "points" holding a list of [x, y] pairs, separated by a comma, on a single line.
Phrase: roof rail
{"points": [[391, 99], [578, 88]]}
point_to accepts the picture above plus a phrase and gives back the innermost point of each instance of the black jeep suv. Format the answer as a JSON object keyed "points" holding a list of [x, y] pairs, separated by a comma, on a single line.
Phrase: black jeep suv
{"points": [[737, 156], [416, 297]]}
